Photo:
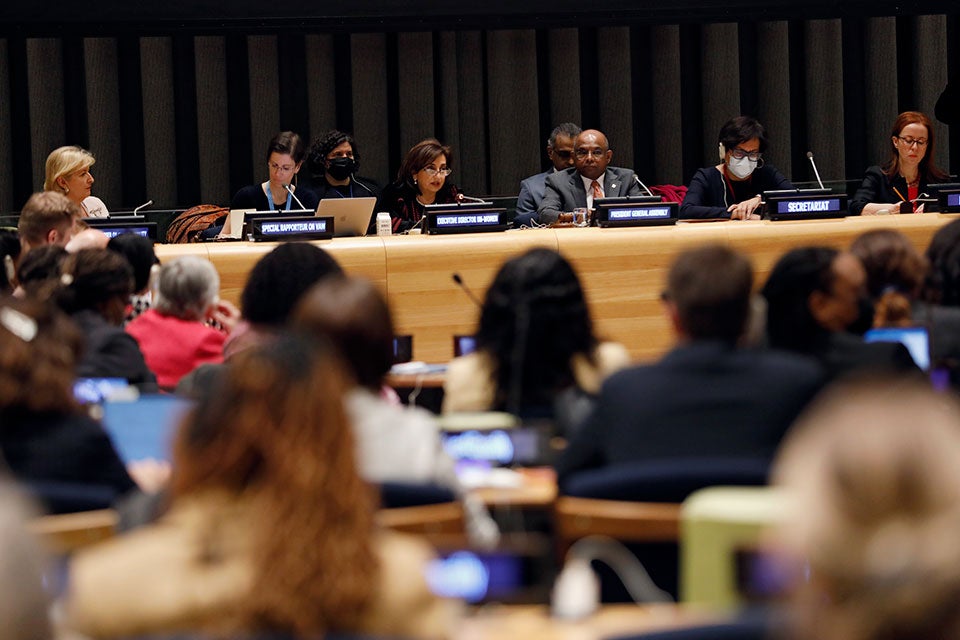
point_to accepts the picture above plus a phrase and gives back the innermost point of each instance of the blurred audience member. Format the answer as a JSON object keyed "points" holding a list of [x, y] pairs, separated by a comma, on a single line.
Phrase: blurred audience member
{"points": [[40, 271], [24, 590], [694, 403], [95, 287], [174, 335], [895, 274], [816, 296], [333, 162], [10, 255], [68, 173], [537, 355], [45, 436], [47, 218], [273, 289], [138, 251], [271, 528], [873, 487]]}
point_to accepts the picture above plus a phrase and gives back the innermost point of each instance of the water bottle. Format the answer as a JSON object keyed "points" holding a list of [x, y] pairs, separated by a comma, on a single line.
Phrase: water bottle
{"points": [[384, 224]]}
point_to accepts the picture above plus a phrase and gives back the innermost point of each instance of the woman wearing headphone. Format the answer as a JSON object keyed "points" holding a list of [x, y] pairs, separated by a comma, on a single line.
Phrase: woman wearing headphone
{"points": [[733, 188]]}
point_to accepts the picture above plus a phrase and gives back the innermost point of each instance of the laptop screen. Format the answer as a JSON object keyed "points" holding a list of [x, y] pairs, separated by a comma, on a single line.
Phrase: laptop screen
{"points": [[915, 339], [145, 427]]}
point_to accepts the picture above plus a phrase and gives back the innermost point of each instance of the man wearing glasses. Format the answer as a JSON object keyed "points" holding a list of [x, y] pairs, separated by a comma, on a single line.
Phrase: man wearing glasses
{"points": [[560, 153], [590, 178], [733, 188]]}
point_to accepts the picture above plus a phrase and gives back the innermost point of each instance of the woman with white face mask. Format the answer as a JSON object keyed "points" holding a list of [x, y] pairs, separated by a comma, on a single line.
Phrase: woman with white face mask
{"points": [[733, 188]]}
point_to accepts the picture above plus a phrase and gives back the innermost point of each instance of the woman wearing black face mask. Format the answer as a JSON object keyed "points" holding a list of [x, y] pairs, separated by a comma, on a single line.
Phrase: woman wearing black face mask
{"points": [[333, 163]]}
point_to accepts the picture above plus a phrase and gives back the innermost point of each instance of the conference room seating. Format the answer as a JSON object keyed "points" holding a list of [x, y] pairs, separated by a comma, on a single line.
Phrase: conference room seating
{"points": [[423, 509]]}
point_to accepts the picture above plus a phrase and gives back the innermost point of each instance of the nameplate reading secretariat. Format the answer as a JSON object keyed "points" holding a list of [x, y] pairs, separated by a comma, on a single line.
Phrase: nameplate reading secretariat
{"points": [[807, 207], [293, 228]]}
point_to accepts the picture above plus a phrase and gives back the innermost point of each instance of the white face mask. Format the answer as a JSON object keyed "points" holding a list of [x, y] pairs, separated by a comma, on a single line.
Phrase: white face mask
{"points": [[743, 167]]}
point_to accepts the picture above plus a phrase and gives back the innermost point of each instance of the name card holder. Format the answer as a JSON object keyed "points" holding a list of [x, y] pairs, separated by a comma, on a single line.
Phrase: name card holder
{"points": [[806, 207], [282, 228], [637, 214], [950, 201], [464, 219]]}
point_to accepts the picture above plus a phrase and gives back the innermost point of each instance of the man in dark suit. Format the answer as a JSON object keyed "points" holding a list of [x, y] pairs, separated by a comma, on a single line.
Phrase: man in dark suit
{"points": [[560, 153], [707, 397], [591, 177]]}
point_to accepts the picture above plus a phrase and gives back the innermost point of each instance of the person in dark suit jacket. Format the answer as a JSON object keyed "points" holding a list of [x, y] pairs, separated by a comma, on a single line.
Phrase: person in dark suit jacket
{"points": [[560, 153], [817, 302], [568, 189], [707, 397]]}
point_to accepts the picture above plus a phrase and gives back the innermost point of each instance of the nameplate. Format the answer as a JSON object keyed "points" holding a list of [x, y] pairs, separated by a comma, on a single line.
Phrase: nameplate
{"points": [[803, 207], [950, 201], [637, 215], [113, 227], [475, 220], [278, 229]]}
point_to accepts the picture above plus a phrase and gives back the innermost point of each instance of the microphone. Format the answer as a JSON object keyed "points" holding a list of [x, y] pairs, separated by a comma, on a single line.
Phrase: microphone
{"points": [[290, 191], [814, 165], [461, 198], [466, 290], [643, 186], [145, 204]]}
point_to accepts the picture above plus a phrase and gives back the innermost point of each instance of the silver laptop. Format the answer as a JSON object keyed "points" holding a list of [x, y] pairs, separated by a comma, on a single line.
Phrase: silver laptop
{"points": [[351, 216]]}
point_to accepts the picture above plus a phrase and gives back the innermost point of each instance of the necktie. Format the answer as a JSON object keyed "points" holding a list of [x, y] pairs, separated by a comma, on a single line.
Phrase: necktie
{"points": [[597, 191]]}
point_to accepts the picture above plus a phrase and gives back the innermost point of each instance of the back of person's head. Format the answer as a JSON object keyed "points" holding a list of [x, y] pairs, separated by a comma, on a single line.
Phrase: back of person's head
{"points": [[287, 143], [316, 160], [895, 273], [533, 321], [355, 317], [280, 278], [943, 255], [9, 255], [188, 286], [40, 270], [62, 162], [139, 252], [44, 213], [873, 487], [794, 278], [274, 433], [92, 277], [710, 289], [24, 602], [740, 129], [39, 347]]}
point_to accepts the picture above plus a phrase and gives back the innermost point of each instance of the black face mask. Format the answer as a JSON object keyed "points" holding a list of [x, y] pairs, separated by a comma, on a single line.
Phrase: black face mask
{"points": [[864, 321], [341, 168]]}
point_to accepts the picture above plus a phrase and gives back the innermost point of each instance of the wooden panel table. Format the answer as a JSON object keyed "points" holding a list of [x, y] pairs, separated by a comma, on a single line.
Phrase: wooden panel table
{"points": [[623, 270]]}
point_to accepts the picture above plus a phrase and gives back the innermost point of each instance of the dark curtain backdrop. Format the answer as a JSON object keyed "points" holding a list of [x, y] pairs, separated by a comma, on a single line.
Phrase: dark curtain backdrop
{"points": [[185, 119]]}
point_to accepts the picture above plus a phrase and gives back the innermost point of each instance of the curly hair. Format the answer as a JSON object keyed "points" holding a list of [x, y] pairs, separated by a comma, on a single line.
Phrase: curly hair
{"points": [[36, 375], [270, 434], [534, 319], [280, 278], [326, 143]]}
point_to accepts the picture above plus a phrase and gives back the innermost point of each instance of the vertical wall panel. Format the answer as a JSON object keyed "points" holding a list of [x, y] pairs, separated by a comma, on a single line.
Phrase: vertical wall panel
{"points": [[321, 92], [416, 90], [448, 90], [616, 116], [103, 114], [6, 146], [720, 66], [930, 76], [370, 102], [264, 99], [512, 94], [881, 97], [825, 124], [473, 164], [564, 85], [666, 106], [774, 91], [212, 122], [47, 125], [156, 62]]}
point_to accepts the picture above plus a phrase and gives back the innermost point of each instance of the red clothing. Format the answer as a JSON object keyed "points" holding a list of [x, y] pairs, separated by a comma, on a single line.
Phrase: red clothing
{"points": [[173, 347]]}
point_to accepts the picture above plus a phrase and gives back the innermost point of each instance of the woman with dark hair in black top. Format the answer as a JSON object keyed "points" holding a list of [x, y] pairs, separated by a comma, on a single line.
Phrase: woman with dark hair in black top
{"points": [[285, 155], [421, 181], [333, 163]]}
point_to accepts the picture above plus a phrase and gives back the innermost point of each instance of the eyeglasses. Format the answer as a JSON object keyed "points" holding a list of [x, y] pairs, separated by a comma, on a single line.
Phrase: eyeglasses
{"points": [[740, 154], [586, 153], [277, 168], [443, 171], [920, 142]]}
